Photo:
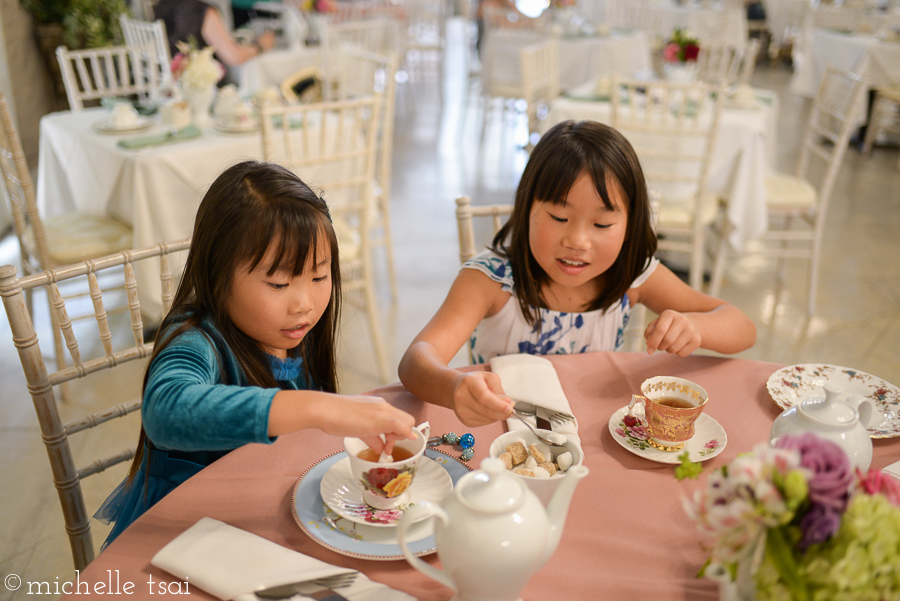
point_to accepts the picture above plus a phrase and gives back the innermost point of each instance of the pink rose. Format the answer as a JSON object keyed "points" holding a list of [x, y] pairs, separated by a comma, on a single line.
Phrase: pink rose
{"points": [[875, 481], [670, 52]]}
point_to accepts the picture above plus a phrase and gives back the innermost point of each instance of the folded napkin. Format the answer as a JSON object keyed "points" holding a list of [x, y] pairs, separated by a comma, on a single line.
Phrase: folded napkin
{"points": [[166, 137], [231, 563], [893, 469], [533, 379]]}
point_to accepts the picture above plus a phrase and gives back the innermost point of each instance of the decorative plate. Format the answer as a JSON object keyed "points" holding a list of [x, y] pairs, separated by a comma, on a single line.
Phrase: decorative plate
{"points": [[342, 536], [345, 497], [108, 127], [790, 384], [708, 441]]}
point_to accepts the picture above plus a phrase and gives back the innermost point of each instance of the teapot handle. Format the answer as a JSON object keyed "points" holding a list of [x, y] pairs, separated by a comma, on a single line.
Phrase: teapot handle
{"points": [[414, 514]]}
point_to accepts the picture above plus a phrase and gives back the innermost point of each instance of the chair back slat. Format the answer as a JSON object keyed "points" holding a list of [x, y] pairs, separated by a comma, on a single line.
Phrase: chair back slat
{"points": [[42, 383], [95, 73]]}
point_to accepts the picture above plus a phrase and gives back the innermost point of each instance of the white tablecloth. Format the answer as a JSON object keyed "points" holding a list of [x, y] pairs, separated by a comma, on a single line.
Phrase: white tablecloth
{"points": [[742, 158], [156, 189], [273, 67], [877, 61], [581, 58]]}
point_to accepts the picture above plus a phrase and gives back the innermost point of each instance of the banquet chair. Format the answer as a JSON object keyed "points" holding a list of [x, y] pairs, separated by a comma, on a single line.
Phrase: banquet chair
{"points": [[150, 33], [497, 216], [49, 243], [69, 438], [425, 40], [540, 78], [672, 127], [97, 73], [361, 73], [802, 198], [381, 36], [733, 63], [748, 63], [332, 146], [632, 14], [885, 116]]}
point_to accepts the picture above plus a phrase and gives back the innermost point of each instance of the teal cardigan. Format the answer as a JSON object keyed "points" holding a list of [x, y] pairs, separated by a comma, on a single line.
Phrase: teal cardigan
{"points": [[192, 418]]}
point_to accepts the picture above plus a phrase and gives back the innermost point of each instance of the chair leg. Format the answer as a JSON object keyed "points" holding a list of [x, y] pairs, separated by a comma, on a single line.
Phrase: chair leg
{"points": [[718, 273], [696, 270], [377, 340], [872, 130]]}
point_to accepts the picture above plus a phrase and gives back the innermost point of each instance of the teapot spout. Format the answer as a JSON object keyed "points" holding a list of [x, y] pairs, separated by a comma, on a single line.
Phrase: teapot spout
{"points": [[558, 507]]}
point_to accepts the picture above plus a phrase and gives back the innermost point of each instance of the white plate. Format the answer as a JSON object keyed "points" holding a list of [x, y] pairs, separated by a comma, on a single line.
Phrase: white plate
{"points": [[342, 536], [742, 106], [231, 129], [344, 496], [107, 127], [790, 384], [708, 441]]}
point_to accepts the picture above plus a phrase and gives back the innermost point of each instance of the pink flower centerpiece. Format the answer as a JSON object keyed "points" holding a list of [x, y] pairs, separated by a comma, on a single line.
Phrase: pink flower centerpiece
{"points": [[794, 522]]}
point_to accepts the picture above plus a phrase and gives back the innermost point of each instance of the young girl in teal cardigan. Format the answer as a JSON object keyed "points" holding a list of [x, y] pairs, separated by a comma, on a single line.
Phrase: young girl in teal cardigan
{"points": [[247, 351]]}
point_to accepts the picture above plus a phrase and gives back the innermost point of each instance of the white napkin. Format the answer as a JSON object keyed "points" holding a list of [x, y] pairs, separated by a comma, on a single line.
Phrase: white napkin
{"points": [[231, 563], [893, 469], [534, 380]]}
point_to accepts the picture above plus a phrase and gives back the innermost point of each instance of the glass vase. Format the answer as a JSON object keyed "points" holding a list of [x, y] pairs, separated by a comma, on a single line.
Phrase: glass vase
{"points": [[201, 100]]}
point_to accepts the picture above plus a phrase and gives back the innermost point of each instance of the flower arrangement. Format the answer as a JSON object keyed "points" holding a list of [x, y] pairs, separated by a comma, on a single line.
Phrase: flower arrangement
{"points": [[318, 6], [681, 48], [196, 68], [798, 523]]}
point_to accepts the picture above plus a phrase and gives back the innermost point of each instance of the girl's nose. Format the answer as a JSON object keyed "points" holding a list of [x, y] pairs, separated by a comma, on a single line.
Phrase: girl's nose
{"points": [[301, 302], [576, 237]]}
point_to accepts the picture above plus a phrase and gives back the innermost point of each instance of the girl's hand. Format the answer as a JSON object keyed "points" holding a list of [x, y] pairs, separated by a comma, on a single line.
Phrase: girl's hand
{"points": [[478, 399], [672, 332]]}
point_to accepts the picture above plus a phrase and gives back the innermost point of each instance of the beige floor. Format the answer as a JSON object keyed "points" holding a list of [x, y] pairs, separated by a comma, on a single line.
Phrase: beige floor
{"points": [[436, 158]]}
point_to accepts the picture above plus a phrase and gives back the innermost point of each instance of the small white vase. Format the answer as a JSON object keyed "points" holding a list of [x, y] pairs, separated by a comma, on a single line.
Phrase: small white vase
{"points": [[201, 100], [680, 72]]}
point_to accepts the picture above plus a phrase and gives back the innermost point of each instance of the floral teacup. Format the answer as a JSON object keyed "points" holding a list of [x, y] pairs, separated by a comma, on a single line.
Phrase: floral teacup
{"points": [[386, 485], [671, 406]]}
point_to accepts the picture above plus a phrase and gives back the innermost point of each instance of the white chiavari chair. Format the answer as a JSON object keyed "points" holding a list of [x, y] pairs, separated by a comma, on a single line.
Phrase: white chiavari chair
{"points": [[797, 203], [48, 243], [672, 127], [885, 116], [150, 33], [333, 146], [67, 438], [540, 78], [96, 73]]}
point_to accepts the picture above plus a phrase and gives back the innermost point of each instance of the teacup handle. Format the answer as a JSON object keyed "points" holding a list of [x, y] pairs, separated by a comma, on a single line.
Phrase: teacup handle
{"points": [[415, 513], [425, 429], [637, 399]]}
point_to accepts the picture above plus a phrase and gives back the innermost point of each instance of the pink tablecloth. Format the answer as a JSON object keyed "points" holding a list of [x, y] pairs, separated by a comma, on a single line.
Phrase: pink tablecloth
{"points": [[626, 536]]}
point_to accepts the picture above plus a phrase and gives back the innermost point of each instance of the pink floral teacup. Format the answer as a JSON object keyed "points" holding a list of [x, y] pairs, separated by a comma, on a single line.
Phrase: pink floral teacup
{"points": [[386, 485], [671, 406]]}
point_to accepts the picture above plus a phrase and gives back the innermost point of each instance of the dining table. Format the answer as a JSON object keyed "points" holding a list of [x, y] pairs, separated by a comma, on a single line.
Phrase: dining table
{"points": [[582, 57], [626, 534], [744, 151]]}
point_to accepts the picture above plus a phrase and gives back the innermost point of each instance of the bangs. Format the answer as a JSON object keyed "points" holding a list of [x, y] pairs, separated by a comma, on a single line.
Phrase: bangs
{"points": [[559, 175], [292, 238]]}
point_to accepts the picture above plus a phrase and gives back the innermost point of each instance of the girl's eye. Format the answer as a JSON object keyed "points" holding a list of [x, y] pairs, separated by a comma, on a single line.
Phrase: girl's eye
{"points": [[321, 279], [277, 286], [557, 219], [602, 226]]}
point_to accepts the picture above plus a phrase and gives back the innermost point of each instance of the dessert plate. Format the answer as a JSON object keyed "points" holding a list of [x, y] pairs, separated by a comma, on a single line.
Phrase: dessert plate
{"points": [[789, 385], [236, 129], [708, 441], [344, 496], [108, 127], [342, 536]]}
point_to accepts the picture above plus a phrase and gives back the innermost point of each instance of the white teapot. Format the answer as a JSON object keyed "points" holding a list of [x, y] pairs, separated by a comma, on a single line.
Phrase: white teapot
{"points": [[492, 532], [843, 421]]}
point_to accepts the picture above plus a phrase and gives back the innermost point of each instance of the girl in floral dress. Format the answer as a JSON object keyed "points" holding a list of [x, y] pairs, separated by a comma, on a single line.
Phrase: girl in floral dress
{"points": [[562, 276]]}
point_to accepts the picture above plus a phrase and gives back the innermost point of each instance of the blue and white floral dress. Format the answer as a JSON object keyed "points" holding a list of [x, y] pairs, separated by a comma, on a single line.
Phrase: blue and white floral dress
{"points": [[507, 332]]}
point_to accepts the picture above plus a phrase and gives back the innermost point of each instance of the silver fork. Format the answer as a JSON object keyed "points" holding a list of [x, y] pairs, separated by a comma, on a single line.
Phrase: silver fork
{"points": [[560, 418], [289, 590]]}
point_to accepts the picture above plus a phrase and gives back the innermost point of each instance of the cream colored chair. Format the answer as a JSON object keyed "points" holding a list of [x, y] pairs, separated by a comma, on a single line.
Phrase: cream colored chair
{"points": [[362, 73], [729, 62], [540, 78], [332, 146], [97, 73], [498, 215], [797, 203], [426, 38], [150, 33], [885, 116], [122, 342], [672, 128], [55, 241]]}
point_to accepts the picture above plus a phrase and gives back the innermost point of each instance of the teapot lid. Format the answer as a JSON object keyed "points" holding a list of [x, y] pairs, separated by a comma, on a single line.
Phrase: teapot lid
{"points": [[829, 410], [491, 489]]}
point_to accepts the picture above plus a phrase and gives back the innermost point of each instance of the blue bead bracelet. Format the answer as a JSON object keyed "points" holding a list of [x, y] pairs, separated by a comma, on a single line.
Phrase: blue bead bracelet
{"points": [[466, 442]]}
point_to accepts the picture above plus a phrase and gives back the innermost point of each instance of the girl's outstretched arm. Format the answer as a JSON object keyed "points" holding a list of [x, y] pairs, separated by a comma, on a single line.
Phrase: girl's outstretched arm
{"points": [[476, 397], [689, 319], [341, 415]]}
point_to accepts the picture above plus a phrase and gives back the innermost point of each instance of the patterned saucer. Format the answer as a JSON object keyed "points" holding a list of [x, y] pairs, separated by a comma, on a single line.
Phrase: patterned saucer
{"points": [[708, 441]]}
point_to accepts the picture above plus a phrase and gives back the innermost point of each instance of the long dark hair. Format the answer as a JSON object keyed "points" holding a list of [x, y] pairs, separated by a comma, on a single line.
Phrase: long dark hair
{"points": [[566, 151], [250, 207]]}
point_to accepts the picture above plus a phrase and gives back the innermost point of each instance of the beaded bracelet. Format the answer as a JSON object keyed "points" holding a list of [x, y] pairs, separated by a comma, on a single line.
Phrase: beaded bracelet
{"points": [[466, 442]]}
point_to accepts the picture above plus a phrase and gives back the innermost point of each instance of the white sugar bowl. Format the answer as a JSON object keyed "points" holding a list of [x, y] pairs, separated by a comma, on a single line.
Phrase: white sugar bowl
{"points": [[844, 421]]}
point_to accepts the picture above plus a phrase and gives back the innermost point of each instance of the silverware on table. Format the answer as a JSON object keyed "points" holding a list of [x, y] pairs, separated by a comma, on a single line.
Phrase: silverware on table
{"points": [[561, 441], [321, 588]]}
